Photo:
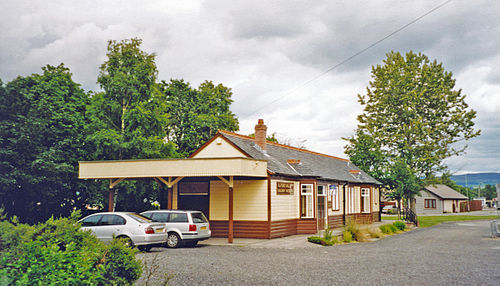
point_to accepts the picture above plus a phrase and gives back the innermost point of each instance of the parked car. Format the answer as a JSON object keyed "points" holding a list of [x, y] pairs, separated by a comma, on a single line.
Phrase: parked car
{"points": [[183, 227], [137, 230], [389, 209]]}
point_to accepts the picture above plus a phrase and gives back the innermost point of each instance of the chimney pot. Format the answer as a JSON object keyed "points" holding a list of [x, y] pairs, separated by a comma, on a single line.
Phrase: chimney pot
{"points": [[260, 134]]}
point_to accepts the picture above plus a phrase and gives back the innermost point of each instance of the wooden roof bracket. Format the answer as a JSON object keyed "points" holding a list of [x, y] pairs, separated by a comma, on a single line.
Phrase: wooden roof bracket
{"points": [[229, 182], [113, 184], [169, 183]]}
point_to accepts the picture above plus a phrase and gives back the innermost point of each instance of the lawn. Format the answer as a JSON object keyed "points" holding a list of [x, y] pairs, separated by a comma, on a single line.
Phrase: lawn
{"points": [[426, 221]]}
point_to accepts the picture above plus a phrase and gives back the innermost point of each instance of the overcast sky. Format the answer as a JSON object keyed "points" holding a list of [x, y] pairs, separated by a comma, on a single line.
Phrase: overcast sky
{"points": [[269, 51]]}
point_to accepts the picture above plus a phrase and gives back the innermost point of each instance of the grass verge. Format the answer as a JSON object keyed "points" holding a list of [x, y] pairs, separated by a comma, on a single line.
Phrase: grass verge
{"points": [[426, 221]]}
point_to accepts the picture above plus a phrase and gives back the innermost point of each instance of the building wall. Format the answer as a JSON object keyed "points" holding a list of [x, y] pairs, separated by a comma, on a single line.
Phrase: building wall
{"points": [[174, 196], [375, 199], [420, 203], [285, 207], [448, 206], [249, 200], [219, 148]]}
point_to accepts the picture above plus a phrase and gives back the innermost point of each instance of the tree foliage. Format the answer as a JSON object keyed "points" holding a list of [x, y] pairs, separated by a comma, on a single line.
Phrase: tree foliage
{"points": [[412, 120], [127, 120], [42, 120], [48, 124], [195, 115]]}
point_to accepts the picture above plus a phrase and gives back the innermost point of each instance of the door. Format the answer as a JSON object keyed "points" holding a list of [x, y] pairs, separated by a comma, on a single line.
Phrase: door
{"points": [[194, 196], [321, 207]]}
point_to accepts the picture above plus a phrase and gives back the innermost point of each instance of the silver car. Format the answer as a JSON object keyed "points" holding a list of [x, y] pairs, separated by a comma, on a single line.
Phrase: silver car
{"points": [[135, 229], [183, 227]]}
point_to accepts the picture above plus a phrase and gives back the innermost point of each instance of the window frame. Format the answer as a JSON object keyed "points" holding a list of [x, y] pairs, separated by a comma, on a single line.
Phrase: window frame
{"points": [[307, 200], [351, 204], [430, 203], [365, 200], [334, 193]]}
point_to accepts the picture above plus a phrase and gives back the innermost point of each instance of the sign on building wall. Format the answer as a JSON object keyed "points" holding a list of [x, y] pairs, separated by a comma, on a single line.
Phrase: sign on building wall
{"points": [[283, 188]]}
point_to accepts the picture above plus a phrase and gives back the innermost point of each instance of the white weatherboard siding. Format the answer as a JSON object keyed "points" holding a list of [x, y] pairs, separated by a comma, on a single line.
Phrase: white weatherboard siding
{"points": [[219, 148], [285, 206], [420, 203]]}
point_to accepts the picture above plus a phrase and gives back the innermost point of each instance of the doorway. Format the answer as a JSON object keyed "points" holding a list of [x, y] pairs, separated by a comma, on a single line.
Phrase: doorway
{"points": [[194, 196], [321, 207]]}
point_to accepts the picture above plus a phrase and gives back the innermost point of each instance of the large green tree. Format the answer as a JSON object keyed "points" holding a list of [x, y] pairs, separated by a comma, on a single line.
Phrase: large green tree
{"points": [[128, 119], [42, 120], [413, 119], [195, 115]]}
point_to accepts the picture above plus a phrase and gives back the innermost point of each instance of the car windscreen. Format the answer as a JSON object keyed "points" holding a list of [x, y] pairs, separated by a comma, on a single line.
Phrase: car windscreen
{"points": [[199, 218], [139, 218]]}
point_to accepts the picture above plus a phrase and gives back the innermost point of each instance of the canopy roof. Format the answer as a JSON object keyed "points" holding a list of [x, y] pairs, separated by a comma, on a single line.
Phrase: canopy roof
{"points": [[192, 167]]}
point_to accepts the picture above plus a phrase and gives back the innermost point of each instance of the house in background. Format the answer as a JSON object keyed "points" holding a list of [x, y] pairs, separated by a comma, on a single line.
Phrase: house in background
{"points": [[438, 199], [251, 188]]}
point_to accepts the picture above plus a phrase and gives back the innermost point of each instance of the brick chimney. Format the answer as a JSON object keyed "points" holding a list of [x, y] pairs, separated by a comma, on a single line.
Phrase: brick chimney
{"points": [[260, 134]]}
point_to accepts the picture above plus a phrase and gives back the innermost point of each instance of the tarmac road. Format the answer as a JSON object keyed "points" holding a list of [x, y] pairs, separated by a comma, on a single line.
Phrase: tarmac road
{"points": [[459, 253]]}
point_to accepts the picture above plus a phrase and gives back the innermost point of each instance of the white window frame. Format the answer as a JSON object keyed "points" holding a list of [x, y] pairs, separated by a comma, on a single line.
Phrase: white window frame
{"points": [[365, 196], [307, 195], [352, 200], [334, 193]]}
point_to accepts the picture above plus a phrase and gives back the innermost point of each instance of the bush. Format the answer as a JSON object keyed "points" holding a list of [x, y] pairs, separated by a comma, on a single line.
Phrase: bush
{"points": [[388, 228], [314, 239], [327, 239], [56, 252], [375, 232], [347, 236], [400, 225]]}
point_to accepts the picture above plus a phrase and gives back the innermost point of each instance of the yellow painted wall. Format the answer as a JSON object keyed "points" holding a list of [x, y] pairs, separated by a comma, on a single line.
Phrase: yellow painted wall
{"points": [[216, 150], [285, 206], [174, 200], [249, 200]]}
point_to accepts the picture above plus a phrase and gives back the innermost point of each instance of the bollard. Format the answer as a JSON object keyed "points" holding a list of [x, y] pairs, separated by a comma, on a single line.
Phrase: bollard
{"points": [[495, 228]]}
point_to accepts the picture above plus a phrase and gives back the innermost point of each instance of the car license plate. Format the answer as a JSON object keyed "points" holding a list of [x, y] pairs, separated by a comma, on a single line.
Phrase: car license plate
{"points": [[203, 228], [160, 229]]}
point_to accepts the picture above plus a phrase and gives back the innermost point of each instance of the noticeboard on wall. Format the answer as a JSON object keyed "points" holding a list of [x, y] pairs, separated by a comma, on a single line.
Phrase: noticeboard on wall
{"points": [[283, 188]]}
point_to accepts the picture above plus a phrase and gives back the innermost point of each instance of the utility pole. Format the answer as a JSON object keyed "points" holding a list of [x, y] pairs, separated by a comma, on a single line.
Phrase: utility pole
{"points": [[467, 188]]}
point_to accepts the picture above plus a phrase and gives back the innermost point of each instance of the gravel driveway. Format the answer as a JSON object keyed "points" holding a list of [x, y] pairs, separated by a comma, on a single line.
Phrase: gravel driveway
{"points": [[460, 253]]}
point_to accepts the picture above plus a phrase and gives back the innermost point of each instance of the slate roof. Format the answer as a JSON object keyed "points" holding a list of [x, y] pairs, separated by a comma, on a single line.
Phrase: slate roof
{"points": [[445, 192], [312, 164]]}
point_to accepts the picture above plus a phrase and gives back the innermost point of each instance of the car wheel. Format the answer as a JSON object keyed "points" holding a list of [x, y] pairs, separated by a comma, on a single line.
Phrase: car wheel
{"points": [[128, 242], [145, 248], [173, 240]]}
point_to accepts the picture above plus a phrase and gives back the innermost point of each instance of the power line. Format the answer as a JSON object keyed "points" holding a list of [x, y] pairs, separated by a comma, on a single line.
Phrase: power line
{"points": [[351, 57]]}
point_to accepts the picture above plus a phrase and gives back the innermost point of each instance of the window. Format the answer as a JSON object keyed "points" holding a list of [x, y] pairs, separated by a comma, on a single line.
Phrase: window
{"points": [[334, 194], [321, 190], [430, 203], [306, 201], [160, 217], [112, 220], [178, 217], [365, 200], [91, 221], [351, 201]]}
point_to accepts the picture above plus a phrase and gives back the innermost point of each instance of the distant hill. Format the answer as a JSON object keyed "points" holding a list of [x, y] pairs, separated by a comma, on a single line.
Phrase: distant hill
{"points": [[473, 180]]}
